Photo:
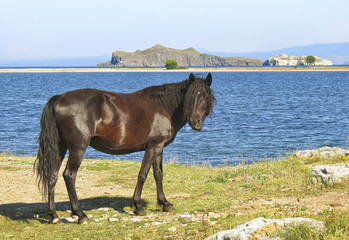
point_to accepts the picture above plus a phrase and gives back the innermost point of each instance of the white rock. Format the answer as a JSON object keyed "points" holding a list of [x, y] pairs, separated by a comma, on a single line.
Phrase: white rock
{"points": [[331, 173], [244, 231], [324, 151], [284, 60]]}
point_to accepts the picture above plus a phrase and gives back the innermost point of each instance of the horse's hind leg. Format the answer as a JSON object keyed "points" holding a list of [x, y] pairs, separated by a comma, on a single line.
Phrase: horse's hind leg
{"points": [[70, 172], [52, 215]]}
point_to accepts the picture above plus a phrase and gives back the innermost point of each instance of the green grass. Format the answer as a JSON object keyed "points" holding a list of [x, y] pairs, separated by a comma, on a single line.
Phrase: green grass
{"points": [[300, 232], [231, 192], [103, 166], [336, 228]]}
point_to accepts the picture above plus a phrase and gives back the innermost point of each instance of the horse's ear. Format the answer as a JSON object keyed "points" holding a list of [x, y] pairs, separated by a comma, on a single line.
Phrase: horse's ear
{"points": [[191, 78], [209, 79]]}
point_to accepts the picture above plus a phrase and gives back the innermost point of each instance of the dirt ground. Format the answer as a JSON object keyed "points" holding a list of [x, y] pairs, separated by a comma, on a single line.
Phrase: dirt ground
{"points": [[20, 197], [20, 185]]}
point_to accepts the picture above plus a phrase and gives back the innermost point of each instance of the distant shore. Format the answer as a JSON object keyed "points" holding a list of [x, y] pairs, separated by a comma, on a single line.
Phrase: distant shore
{"points": [[194, 69]]}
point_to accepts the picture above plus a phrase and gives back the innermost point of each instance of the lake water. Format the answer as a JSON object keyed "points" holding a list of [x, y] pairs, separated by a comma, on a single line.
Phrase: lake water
{"points": [[257, 115]]}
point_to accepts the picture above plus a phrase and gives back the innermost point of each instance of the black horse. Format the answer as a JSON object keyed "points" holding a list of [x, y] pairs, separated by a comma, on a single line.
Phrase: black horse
{"points": [[117, 123]]}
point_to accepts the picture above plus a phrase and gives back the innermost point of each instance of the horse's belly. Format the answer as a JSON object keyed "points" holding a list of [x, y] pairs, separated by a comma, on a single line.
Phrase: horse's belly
{"points": [[117, 147]]}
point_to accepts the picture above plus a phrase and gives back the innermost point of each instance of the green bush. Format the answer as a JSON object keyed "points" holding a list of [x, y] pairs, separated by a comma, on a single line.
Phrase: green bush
{"points": [[182, 67], [310, 60], [171, 64]]}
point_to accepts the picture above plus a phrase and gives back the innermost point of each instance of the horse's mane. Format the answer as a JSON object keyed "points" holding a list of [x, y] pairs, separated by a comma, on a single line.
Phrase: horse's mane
{"points": [[173, 94], [169, 95]]}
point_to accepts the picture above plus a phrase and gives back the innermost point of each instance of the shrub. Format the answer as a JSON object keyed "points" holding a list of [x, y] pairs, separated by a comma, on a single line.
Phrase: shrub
{"points": [[171, 64], [310, 60], [182, 67]]}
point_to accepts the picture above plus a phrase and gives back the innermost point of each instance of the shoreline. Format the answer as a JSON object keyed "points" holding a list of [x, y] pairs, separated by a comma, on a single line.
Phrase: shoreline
{"points": [[198, 69]]}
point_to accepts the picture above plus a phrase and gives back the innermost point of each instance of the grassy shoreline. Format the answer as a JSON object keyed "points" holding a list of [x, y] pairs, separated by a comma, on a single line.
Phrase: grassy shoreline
{"points": [[207, 200], [190, 69]]}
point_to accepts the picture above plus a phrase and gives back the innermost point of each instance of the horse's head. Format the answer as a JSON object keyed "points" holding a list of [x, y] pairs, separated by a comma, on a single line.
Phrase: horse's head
{"points": [[199, 101]]}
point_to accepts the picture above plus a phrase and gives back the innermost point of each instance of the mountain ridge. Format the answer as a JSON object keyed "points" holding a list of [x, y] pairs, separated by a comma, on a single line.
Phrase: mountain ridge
{"points": [[157, 55], [338, 53]]}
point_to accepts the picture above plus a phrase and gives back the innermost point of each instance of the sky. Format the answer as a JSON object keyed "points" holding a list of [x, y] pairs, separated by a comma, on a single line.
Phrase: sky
{"points": [[50, 29]]}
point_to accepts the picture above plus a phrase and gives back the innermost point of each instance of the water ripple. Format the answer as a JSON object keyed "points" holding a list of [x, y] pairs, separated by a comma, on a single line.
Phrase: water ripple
{"points": [[257, 114]]}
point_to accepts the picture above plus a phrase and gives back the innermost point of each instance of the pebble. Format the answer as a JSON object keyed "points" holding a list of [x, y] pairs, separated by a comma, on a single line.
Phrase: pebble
{"points": [[183, 216], [213, 215], [172, 229], [113, 220], [135, 219], [72, 219], [103, 209]]}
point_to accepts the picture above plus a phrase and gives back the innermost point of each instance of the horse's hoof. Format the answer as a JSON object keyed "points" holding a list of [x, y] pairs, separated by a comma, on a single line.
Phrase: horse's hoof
{"points": [[139, 212], [168, 208], [84, 220]]}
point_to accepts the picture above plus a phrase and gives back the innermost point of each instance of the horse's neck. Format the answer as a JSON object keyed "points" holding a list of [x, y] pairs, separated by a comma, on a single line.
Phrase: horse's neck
{"points": [[178, 118], [172, 100]]}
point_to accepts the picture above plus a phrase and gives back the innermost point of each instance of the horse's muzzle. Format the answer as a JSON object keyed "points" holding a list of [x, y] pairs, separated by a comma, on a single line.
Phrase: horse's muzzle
{"points": [[196, 124]]}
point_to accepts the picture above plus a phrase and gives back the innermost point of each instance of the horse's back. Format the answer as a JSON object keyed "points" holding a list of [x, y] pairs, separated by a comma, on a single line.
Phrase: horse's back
{"points": [[79, 108]]}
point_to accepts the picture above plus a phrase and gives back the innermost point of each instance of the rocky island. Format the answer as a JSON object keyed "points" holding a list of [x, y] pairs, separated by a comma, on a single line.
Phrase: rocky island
{"points": [[157, 55], [285, 60]]}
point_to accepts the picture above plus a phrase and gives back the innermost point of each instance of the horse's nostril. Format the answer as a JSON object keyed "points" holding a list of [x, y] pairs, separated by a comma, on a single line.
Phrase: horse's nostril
{"points": [[198, 122]]}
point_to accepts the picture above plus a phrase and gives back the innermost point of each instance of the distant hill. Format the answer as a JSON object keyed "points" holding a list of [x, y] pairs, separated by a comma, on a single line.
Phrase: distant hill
{"points": [[61, 62], [338, 53], [157, 55]]}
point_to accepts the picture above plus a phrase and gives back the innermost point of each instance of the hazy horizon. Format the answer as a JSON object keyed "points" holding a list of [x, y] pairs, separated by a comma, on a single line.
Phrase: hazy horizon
{"points": [[39, 29]]}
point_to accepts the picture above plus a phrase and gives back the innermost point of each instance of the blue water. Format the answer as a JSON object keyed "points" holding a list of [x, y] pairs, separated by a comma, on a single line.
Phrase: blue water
{"points": [[257, 115]]}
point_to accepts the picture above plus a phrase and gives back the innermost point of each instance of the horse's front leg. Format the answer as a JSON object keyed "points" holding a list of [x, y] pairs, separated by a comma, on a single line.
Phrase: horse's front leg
{"points": [[148, 159], [158, 175]]}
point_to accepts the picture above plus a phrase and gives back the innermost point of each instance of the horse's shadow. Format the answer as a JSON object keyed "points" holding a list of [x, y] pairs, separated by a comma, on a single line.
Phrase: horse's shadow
{"points": [[28, 211]]}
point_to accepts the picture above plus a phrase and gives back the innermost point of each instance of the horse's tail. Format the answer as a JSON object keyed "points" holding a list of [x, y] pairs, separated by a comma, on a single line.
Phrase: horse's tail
{"points": [[46, 161]]}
